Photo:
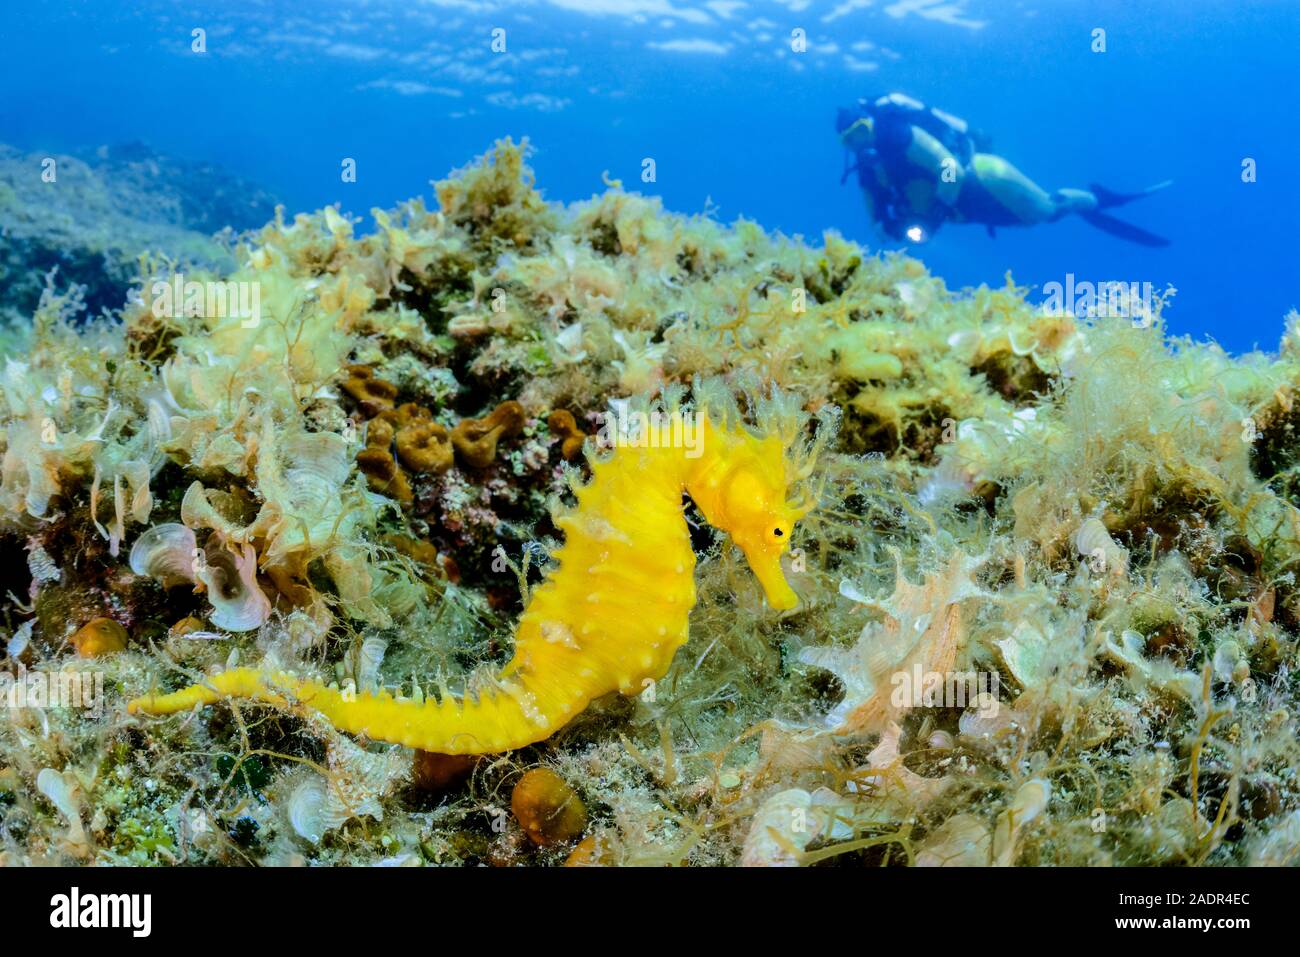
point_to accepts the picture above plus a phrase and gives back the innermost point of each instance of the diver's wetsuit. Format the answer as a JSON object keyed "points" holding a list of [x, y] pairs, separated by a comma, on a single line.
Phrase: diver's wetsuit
{"points": [[910, 160], [920, 167]]}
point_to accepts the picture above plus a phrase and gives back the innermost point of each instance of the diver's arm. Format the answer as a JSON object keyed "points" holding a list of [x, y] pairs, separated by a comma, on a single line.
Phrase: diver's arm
{"points": [[891, 214], [874, 195]]}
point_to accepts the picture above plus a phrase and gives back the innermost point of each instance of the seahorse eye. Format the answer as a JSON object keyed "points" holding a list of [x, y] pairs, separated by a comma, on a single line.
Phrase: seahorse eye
{"points": [[778, 532]]}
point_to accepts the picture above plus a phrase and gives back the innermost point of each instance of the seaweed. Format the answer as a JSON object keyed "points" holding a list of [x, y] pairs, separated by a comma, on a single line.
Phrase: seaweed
{"points": [[1125, 502]]}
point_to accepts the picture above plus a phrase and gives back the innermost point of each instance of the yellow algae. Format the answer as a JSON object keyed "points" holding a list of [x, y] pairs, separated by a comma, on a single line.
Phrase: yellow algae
{"points": [[1102, 518]]}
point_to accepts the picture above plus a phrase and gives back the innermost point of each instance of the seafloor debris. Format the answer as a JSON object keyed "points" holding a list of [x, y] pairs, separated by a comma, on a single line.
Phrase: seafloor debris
{"points": [[1047, 611]]}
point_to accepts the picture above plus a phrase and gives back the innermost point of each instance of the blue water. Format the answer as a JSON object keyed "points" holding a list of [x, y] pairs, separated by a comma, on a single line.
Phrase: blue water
{"points": [[1186, 89]]}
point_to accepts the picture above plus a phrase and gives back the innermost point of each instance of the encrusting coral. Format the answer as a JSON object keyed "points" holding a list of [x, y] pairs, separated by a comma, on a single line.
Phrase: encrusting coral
{"points": [[1047, 609]]}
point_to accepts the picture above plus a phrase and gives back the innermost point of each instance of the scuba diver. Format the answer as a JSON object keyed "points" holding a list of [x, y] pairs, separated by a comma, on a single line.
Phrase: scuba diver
{"points": [[920, 167]]}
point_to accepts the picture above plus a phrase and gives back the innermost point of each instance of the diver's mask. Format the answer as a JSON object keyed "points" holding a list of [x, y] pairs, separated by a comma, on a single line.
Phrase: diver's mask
{"points": [[856, 134]]}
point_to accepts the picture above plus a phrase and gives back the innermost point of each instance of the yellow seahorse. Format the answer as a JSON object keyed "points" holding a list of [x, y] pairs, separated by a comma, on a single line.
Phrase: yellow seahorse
{"points": [[612, 610]]}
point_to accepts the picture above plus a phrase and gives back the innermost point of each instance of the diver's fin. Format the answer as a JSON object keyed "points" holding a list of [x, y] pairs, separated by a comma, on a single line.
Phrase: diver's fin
{"points": [[1106, 198], [993, 233], [1117, 227]]}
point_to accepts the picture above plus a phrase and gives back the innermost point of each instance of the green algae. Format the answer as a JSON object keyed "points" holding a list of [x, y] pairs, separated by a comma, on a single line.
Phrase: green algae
{"points": [[1124, 500]]}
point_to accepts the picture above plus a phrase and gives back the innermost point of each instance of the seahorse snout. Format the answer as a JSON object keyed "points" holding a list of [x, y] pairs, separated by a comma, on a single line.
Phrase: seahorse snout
{"points": [[766, 566]]}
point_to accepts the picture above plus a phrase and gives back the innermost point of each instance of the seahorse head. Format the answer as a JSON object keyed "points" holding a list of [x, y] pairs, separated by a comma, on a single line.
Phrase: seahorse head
{"points": [[746, 496], [751, 479], [761, 523]]}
